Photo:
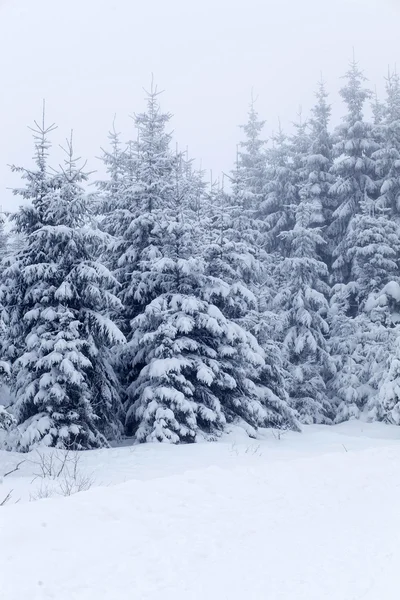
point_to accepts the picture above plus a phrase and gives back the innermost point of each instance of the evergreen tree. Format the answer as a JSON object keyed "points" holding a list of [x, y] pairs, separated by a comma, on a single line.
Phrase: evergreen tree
{"points": [[354, 190], [64, 391], [354, 169], [250, 232], [356, 346], [387, 156], [302, 306], [113, 198], [385, 406], [301, 302], [372, 254], [39, 182], [249, 179], [196, 369], [378, 112], [280, 192], [136, 246], [363, 317], [382, 344], [318, 164]]}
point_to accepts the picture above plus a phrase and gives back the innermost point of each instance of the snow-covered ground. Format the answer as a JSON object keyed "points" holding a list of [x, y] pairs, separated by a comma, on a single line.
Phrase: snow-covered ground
{"points": [[311, 516]]}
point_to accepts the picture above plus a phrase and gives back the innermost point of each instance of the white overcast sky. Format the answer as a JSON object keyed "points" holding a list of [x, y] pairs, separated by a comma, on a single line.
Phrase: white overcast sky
{"points": [[91, 58]]}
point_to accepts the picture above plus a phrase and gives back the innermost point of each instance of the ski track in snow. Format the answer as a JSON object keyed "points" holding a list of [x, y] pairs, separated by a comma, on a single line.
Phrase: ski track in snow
{"points": [[309, 517]]}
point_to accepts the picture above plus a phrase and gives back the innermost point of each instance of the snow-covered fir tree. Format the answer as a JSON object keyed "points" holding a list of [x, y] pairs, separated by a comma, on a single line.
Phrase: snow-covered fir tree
{"points": [[318, 163], [385, 404], [112, 196], [280, 191], [150, 184], [373, 252], [249, 177], [250, 231], [355, 186], [354, 168], [246, 226], [302, 306], [387, 156], [173, 280], [65, 394], [39, 182], [196, 369], [362, 341]]}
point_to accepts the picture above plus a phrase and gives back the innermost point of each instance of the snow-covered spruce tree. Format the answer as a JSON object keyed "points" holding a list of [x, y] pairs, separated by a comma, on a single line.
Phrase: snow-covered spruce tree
{"points": [[354, 169], [381, 347], [355, 185], [298, 146], [254, 268], [378, 114], [364, 312], [244, 225], [249, 177], [230, 260], [65, 394], [196, 369], [384, 405], [152, 184], [280, 191], [39, 182], [113, 196], [247, 268], [193, 188], [115, 208], [318, 163], [373, 254], [387, 156], [237, 232], [302, 307], [172, 354]]}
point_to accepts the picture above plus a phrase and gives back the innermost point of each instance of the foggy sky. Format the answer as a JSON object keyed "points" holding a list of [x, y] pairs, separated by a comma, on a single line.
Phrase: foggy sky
{"points": [[91, 58]]}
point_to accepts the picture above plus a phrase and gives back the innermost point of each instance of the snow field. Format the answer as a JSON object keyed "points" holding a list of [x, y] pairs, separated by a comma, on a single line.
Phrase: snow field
{"points": [[312, 516]]}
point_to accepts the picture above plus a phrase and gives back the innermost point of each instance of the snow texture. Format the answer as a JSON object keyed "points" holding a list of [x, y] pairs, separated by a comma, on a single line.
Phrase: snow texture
{"points": [[288, 518]]}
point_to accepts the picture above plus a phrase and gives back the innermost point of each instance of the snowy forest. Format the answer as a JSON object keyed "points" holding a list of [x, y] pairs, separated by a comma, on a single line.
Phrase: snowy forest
{"points": [[165, 305]]}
